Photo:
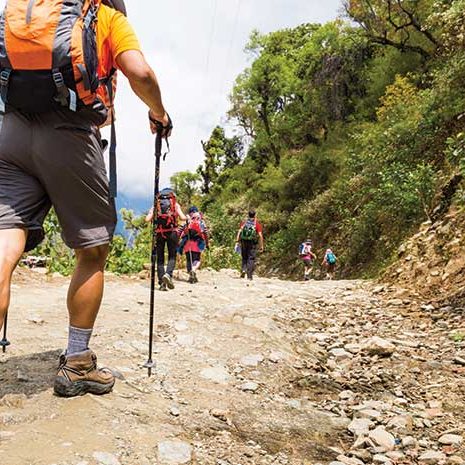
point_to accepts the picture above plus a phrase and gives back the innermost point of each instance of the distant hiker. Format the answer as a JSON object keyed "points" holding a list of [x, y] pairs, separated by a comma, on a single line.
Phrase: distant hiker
{"points": [[168, 214], [56, 66], [194, 241], [249, 236], [329, 262], [307, 256]]}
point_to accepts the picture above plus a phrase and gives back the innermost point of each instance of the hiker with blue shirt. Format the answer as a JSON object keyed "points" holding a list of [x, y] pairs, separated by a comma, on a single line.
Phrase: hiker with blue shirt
{"points": [[329, 262]]}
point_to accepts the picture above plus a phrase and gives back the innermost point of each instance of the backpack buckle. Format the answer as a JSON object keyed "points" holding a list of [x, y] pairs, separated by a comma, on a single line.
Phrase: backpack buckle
{"points": [[4, 80], [5, 77]]}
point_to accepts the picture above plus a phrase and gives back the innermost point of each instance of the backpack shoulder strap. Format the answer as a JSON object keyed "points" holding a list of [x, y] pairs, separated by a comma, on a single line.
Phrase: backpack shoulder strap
{"points": [[116, 5]]}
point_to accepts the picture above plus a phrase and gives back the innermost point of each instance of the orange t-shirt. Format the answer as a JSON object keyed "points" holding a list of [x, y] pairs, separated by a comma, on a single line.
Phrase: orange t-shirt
{"points": [[114, 36]]}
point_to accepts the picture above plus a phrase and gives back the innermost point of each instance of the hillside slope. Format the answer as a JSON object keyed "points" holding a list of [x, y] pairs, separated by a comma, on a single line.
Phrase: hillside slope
{"points": [[432, 262]]}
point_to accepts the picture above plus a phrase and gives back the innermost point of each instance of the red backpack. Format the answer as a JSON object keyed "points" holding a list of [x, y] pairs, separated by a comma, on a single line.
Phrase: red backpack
{"points": [[167, 216]]}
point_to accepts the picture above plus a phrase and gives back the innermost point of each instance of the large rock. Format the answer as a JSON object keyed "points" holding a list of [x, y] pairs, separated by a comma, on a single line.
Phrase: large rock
{"points": [[451, 440], [174, 452], [379, 346], [382, 438], [432, 457], [360, 426]]}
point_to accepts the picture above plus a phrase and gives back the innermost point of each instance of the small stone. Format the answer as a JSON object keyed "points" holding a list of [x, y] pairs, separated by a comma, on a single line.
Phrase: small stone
{"points": [[249, 386], [353, 348], [104, 458], [340, 354], [431, 457], [251, 360], [382, 438], [459, 361], [220, 414], [22, 377], [455, 460], [369, 413], [400, 422], [409, 442], [219, 374], [380, 458], [349, 460], [346, 395], [360, 426], [379, 346], [175, 412], [395, 455], [451, 440], [275, 357], [36, 320], [174, 452]]}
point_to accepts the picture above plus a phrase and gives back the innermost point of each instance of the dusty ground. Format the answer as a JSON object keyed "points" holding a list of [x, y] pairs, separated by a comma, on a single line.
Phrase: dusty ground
{"points": [[272, 373]]}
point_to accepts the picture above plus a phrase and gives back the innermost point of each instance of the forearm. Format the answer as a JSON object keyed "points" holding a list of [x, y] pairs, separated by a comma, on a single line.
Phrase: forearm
{"points": [[148, 90], [142, 80]]}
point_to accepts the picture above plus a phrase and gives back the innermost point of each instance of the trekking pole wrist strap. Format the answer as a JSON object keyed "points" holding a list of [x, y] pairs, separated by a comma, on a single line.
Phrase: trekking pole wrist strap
{"points": [[160, 126]]}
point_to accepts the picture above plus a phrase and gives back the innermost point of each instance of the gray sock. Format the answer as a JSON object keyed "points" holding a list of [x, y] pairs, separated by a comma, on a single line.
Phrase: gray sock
{"points": [[78, 340]]}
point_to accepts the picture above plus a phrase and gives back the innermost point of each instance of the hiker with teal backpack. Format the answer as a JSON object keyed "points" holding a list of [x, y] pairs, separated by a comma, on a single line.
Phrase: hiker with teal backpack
{"points": [[307, 256], [58, 65], [329, 262], [250, 236]]}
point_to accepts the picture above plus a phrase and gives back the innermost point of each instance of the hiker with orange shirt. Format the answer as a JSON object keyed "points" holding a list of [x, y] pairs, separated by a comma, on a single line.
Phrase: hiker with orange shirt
{"points": [[58, 63]]}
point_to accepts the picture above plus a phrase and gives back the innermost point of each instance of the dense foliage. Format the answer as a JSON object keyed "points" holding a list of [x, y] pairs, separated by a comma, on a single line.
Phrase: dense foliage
{"points": [[352, 131]]}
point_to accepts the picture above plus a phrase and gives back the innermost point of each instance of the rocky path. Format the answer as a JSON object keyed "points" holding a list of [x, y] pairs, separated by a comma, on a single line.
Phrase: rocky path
{"points": [[272, 373]]}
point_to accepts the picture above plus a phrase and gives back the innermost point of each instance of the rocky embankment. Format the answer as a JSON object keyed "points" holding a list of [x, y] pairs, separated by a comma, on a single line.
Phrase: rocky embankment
{"points": [[431, 263], [273, 373]]}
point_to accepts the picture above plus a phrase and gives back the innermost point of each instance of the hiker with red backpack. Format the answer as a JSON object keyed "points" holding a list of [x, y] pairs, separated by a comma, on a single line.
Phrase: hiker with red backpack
{"points": [[166, 230], [58, 62], [194, 241], [249, 236], [307, 256]]}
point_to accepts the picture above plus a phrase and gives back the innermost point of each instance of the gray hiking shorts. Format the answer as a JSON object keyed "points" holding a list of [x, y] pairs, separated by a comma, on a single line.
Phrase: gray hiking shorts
{"points": [[55, 159]]}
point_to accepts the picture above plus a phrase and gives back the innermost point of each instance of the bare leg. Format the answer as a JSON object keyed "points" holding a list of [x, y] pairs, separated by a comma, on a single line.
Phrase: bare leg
{"points": [[86, 288], [12, 243]]}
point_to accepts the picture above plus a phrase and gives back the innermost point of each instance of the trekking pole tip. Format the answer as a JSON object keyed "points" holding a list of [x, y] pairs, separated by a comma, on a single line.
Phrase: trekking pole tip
{"points": [[4, 343], [149, 364]]}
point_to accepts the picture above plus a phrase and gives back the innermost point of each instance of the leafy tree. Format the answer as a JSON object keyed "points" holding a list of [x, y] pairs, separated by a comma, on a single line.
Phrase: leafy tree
{"points": [[186, 186], [397, 23]]}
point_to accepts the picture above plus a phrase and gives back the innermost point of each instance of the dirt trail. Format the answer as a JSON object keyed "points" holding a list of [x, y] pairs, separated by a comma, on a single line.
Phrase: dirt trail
{"points": [[271, 373]]}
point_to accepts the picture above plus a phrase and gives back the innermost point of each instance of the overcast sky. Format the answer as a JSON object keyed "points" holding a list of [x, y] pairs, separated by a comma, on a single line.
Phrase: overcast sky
{"points": [[196, 49]]}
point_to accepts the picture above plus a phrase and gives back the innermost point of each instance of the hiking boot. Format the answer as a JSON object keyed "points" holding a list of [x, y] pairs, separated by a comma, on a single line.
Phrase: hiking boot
{"points": [[78, 375], [168, 281], [163, 287], [243, 275], [193, 277]]}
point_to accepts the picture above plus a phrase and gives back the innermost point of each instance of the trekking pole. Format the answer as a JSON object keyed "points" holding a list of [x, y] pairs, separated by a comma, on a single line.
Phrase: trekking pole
{"points": [[150, 364], [4, 343], [190, 250]]}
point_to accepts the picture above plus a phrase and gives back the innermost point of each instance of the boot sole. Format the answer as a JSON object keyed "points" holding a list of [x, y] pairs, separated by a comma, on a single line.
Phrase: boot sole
{"points": [[65, 388], [168, 282]]}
